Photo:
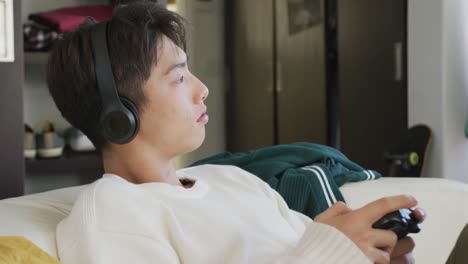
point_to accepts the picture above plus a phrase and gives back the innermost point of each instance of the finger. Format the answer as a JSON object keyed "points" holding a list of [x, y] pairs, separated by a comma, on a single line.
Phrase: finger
{"points": [[405, 259], [420, 214], [375, 210], [378, 256], [338, 208], [403, 247], [385, 240]]}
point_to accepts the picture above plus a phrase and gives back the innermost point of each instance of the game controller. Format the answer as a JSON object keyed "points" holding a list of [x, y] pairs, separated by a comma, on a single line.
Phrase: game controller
{"points": [[401, 222]]}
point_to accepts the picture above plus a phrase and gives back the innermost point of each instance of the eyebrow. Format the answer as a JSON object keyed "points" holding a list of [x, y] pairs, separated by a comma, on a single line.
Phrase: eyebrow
{"points": [[177, 65]]}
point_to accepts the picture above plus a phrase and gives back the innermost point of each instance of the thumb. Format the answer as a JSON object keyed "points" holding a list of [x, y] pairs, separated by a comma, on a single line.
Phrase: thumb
{"points": [[338, 208]]}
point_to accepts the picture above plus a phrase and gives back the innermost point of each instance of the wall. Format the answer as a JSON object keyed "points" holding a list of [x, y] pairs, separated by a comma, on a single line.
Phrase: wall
{"points": [[437, 86], [206, 51], [455, 102]]}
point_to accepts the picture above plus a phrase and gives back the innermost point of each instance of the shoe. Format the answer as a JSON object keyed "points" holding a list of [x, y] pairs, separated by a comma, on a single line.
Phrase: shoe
{"points": [[29, 143], [49, 143], [78, 141]]}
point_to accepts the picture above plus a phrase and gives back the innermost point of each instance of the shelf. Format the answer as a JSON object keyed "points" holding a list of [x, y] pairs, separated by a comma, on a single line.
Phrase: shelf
{"points": [[39, 58], [69, 162]]}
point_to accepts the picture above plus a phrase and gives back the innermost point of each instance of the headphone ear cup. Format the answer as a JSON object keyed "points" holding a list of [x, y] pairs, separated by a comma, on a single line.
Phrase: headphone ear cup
{"points": [[133, 111], [120, 125]]}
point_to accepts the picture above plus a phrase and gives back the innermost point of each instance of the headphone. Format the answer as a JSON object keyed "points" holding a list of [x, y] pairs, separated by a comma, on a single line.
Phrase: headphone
{"points": [[118, 121]]}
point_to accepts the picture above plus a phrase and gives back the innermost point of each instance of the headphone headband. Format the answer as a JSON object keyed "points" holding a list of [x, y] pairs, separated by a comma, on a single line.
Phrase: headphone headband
{"points": [[118, 122], [104, 74]]}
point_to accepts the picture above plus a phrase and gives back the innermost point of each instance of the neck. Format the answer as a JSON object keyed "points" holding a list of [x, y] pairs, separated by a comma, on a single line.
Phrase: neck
{"points": [[140, 163]]}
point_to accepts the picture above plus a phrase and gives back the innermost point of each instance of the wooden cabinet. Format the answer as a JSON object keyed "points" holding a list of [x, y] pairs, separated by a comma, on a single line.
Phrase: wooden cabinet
{"points": [[372, 78], [300, 72], [250, 100], [277, 93], [342, 83]]}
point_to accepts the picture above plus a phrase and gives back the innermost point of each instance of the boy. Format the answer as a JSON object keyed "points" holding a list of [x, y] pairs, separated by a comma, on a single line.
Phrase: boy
{"points": [[143, 210]]}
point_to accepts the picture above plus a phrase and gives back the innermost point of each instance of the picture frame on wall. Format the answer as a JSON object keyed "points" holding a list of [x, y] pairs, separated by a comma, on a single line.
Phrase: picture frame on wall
{"points": [[7, 36], [303, 14]]}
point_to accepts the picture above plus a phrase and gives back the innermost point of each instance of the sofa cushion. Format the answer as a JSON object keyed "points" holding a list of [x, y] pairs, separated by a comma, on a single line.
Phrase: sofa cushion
{"points": [[445, 202], [36, 216]]}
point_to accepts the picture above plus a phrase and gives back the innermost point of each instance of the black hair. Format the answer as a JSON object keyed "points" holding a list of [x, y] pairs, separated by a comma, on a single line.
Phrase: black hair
{"points": [[133, 34]]}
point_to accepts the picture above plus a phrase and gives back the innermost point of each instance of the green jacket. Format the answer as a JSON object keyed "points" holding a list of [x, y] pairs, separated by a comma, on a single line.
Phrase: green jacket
{"points": [[306, 175]]}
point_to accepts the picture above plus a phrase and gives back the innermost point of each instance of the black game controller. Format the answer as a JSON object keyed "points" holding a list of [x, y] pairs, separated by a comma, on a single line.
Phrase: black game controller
{"points": [[401, 222]]}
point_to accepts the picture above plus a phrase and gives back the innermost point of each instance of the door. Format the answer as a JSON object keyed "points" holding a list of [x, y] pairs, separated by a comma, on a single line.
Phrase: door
{"points": [[11, 106], [371, 77], [250, 110], [300, 71]]}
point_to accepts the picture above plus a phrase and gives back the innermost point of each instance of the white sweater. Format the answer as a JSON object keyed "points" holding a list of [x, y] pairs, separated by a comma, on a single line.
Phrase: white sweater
{"points": [[227, 216]]}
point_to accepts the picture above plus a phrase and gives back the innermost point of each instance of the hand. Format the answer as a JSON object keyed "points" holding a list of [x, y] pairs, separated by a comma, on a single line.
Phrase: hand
{"points": [[339, 208], [403, 251], [376, 244]]}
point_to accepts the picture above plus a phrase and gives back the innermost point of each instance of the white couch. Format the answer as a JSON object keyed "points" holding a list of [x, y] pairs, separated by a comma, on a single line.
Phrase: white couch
{"points": [[446, 203]]}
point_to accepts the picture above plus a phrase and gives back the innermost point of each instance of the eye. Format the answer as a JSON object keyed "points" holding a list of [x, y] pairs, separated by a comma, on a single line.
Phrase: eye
{"points": [[181, 79]]}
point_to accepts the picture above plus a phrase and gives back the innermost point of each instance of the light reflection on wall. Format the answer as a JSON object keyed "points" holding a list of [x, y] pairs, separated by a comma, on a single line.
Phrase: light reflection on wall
{"points": [[172, 7]]}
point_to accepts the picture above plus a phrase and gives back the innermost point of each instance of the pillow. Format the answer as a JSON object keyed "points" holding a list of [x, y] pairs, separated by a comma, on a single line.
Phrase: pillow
{"points": [[19, 250], [36, 216]]}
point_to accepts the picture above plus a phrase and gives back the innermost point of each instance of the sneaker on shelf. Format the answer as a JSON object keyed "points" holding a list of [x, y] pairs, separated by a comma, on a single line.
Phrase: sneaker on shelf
{"points": [[29, 143], [49, 143], [78, 141]]}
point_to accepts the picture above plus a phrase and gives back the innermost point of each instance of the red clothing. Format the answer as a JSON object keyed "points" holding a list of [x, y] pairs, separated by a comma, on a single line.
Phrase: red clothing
{"points": [[70, 18]]}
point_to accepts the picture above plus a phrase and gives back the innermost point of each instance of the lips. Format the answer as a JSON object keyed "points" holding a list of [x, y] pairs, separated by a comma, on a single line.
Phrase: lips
{"points": [[203, 117]]}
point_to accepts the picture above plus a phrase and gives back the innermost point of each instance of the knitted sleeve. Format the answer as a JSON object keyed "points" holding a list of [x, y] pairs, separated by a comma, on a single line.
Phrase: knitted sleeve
{"points": [[319, 243]]}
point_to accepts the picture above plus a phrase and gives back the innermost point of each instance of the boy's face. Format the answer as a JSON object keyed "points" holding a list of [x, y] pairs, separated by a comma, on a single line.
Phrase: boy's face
{"points": [[172, 119]]}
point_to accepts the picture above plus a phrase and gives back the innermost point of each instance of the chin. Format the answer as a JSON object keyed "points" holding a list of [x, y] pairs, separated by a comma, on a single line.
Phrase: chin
{"points": [[195, 143], [199, 142]]}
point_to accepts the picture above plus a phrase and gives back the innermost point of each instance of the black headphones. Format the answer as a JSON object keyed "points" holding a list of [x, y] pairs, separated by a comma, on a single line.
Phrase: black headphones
{"points": [[118, 121]]}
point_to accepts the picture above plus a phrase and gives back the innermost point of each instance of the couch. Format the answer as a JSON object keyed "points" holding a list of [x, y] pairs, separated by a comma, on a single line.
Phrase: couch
{"points": [[445, 201]]}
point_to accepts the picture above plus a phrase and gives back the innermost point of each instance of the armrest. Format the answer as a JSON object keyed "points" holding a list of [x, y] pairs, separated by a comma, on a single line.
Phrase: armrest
{"points": [[445, 202]]}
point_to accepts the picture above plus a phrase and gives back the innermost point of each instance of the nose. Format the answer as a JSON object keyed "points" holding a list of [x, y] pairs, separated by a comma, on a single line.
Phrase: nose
{"points": [[205, 91], [202, 91]]}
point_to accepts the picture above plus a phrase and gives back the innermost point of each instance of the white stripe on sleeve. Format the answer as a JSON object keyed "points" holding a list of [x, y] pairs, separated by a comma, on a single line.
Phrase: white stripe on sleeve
{"points": [[368, 175], [326, 183], [322, 184]]}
